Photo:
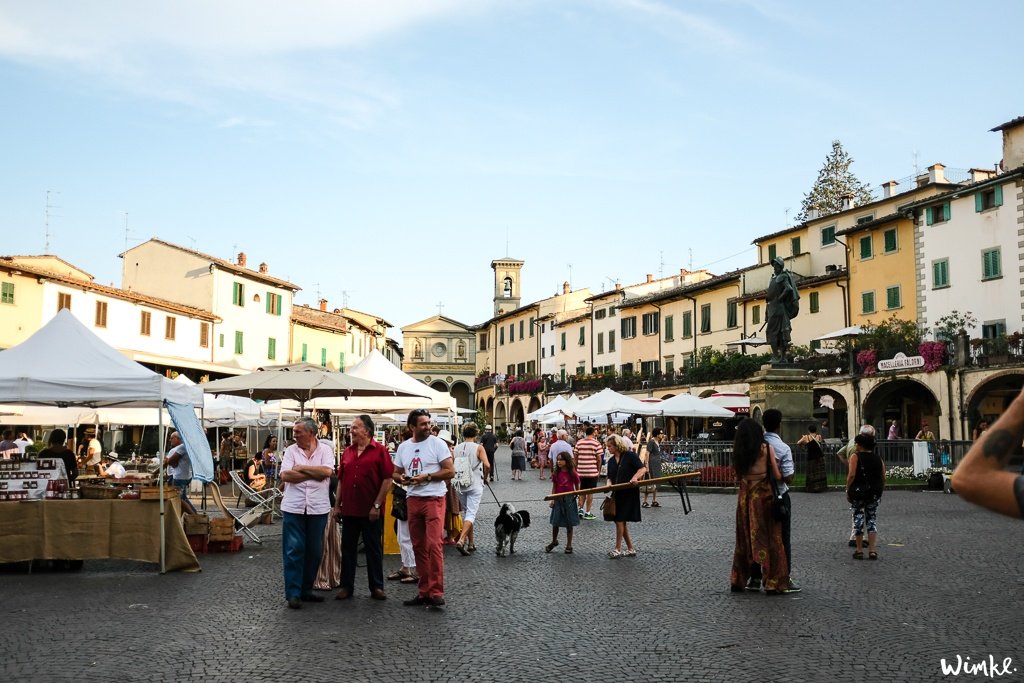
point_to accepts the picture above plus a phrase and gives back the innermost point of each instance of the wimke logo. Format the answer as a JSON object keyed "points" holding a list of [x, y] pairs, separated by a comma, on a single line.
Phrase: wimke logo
{"points": [[988, 668]]}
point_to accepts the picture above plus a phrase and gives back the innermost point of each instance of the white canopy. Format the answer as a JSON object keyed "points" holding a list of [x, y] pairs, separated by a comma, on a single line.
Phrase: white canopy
{"points": [[549, 408], [376, 368], [65, 364], [737, 403], [846, 332], [688, 405], [607, 402]]}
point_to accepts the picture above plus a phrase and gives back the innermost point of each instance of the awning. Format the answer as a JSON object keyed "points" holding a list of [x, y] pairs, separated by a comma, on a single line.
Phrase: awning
{"points": [[845, 333], [737, 403], [172, 362], [752, 340]]}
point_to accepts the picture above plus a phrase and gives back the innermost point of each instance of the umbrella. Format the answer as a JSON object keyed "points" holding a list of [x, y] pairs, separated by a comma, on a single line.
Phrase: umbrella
{"points": [[845, 333], [299, 383], [688, 405], [752, 340], [737, 403], [606, 402]]}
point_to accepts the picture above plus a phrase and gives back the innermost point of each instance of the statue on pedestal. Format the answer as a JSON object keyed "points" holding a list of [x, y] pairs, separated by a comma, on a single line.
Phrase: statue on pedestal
{"points": [[782, 305]]}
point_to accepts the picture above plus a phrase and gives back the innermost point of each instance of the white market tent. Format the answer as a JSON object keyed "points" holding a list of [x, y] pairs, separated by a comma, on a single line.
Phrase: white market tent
{"points": [[65, 364], [608, 402], [688, 405], [376, 368], [548, 408], [735, 403]]}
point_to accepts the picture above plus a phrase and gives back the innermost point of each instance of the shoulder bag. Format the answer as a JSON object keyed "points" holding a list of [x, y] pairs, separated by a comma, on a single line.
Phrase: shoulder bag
{"points": [[399, 510]]}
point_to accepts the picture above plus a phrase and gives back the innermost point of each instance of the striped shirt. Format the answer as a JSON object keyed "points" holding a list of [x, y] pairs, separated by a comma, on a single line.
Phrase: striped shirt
{"points": [[589, 453]]}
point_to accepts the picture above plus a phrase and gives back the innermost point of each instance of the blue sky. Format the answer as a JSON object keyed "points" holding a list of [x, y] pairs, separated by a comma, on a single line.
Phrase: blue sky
{"points": [[386, 149]]}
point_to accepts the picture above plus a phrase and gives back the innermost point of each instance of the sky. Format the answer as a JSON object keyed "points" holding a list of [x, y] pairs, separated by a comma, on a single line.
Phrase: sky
{"points": [[381, 154]]}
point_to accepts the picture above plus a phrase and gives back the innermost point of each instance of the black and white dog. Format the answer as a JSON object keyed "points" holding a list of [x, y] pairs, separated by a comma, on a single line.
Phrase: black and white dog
{"points": [[507, 526]]}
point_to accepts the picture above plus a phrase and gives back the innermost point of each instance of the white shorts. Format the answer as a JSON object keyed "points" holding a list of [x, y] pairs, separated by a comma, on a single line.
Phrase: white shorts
{"points": [[470, 502]]}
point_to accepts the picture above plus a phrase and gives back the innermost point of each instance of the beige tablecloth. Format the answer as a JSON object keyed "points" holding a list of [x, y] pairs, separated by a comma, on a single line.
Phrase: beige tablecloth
{"points": [[93, 530]]}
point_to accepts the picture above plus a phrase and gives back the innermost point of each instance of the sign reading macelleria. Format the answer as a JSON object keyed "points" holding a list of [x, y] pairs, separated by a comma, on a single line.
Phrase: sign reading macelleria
{"points": [[901, 361]]}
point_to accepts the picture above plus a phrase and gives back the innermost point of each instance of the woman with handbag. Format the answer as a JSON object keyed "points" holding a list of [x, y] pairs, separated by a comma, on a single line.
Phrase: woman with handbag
{"points": [[624, 466], [759, 557], [865, 481]]}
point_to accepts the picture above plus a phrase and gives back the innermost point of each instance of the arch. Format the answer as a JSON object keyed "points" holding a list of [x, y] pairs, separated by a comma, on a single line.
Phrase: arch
{"points": [[500, 415], [906, 400], [534, 404], [832, 413], [667, 396], [489, 408], [516, 414], [991, 397], [481, 407], [439, 385], [462, 394]]}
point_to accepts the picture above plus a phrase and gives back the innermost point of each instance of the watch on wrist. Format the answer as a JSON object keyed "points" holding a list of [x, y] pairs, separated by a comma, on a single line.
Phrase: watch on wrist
{"points": [[376, 506], [428, 477]]}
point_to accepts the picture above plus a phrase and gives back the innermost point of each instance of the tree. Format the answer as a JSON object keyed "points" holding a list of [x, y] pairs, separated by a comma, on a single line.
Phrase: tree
{"points": [[835, 182]]}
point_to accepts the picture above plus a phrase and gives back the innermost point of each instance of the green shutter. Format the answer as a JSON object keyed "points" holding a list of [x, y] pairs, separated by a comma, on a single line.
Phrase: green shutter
{"points": [[668, 328], [892, 297], [756, 315], [341, 362], [771, 251], [814, 303], [979, 201], [890, 240], [796, 245], [303, 353], [563, 341], [929, 215], [867, 302], [323, 358], [991, 266], [945, 211], [998, 192], [687, 325], [239, 342], [271, 348], [865, 247]]}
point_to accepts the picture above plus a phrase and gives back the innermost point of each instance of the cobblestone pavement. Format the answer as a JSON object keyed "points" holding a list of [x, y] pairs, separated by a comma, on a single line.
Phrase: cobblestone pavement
{"points": [[949, 582]]}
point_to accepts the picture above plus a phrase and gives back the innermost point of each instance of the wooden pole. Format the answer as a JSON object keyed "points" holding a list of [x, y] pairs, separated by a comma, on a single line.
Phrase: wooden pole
{"points": [[613, 487]]}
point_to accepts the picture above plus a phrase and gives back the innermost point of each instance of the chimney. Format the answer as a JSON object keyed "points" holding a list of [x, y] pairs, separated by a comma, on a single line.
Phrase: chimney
{"points": [[936, 173], [847, 201], [979, 174], [263, 268], [812, 213], [650, 278], [565, 288], [889, 189], [241, 258], [323, 305], [618, 286]]}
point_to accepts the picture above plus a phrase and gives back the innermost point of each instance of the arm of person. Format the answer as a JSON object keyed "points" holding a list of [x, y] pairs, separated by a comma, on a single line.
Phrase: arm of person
{"points": [[981, 478], [851, 472], [773, 462], [788, 468], [844, 452], [173, 459], [447, 470], [382, 495], [481, 455]]}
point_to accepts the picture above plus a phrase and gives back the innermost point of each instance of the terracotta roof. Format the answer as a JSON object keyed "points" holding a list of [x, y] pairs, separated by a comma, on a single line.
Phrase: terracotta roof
{"points": [[366, 319], [1012, 123], [324, 320], [19, 257], [678, 292], [966, 189], [839, 274], [224, 264], [116, 292], [867, 225]]}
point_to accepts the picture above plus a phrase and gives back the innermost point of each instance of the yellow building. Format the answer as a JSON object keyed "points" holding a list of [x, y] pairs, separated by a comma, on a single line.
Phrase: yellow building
{"points": [[320, 337], [882, 270]]}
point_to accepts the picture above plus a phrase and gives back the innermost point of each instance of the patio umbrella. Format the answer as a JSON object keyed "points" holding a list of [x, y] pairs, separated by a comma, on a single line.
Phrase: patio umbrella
{"points": [[607, 402], [845, 333], [299, 383], [752, 340]]}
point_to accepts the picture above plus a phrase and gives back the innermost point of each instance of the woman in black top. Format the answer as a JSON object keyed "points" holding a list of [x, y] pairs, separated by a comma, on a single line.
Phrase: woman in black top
{"points": [[624, 466], [865, 481], [817, 479]]}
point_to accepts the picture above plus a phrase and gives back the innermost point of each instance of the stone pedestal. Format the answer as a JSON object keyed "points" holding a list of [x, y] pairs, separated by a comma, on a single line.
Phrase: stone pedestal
{"points": [[789, 390]]}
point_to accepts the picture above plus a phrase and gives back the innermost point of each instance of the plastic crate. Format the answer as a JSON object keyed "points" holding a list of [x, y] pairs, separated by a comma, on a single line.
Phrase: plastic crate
{"points": [[232, 546]]}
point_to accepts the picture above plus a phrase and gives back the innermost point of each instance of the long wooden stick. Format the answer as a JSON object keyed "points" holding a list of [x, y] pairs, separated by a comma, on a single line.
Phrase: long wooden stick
{"points": [[612, 487]]}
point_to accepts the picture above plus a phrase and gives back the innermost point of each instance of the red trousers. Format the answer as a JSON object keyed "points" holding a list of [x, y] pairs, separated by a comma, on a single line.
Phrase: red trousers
{"points": [[426, 527]]}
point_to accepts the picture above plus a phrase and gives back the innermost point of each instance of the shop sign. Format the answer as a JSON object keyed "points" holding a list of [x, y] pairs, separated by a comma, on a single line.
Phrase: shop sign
{"points": [[901, 361]]}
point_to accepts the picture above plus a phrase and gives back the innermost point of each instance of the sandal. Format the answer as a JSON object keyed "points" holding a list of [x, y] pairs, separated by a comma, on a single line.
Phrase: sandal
{"points": [[471, 548], [550, 546], [646, 505], [655, 504], [461, 547], [614, 554], [397, 575], [872, 556], [859, 555], [568, 550], [411, 578]]}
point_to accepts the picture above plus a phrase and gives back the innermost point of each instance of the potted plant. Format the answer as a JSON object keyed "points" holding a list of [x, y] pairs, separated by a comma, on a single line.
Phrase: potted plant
{"points": [[999, 349]]}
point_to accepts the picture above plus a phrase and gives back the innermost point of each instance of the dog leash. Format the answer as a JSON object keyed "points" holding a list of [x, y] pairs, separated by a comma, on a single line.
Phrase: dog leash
{"points": [[492, 493]]}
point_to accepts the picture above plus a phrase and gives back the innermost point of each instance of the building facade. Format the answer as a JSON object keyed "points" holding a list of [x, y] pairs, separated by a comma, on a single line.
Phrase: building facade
{"points": [[441, 353]]}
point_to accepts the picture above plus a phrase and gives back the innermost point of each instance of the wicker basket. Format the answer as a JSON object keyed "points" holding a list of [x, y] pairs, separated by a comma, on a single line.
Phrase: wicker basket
{"points": [[153, 492], [91, 492]]}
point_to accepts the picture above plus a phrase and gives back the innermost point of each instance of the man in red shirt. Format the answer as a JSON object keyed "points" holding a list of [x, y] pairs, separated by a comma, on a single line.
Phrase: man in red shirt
{"points": [[589, 456], [364, 478]]}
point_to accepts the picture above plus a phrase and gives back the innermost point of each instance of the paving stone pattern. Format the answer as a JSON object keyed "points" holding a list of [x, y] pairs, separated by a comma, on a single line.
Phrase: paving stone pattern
{"points": [[949, 582]]}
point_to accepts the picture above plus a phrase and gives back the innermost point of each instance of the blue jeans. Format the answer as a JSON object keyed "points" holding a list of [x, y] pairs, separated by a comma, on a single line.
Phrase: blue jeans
{"points": [[183, 485], [302, 541]]}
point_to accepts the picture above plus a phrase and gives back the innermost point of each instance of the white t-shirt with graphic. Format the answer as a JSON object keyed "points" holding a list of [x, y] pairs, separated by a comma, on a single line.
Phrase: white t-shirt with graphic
{"points": [[423, 457]]}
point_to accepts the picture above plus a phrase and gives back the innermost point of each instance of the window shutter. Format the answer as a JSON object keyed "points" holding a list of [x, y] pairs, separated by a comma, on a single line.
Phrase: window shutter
{"points": [[623, 332], [998, 192], [979, 202], [771, 251], [929, 215], [945, 211], [890, 240], [937, 274], [865, 247]]}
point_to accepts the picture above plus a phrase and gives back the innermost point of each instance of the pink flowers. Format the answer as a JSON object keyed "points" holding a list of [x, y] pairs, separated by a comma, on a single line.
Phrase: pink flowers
{"points": [[934, 354], [868, 362]]}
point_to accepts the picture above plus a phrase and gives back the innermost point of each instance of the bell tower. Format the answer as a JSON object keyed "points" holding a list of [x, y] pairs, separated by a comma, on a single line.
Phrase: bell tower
{"points": [[506, 284]]}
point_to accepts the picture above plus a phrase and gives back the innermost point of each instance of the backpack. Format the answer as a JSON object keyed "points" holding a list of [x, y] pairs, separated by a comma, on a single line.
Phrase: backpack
{"points": [[464, 458]]}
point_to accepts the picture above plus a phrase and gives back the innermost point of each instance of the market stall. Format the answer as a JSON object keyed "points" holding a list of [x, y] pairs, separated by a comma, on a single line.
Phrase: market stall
{"points": [[65, 365]]}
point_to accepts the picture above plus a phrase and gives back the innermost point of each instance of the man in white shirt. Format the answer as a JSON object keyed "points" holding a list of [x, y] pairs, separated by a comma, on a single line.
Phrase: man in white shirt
{"points": [[306, 469], [179, 466], [93, 449], [772, 420], [113, 469], [423, 464], [23, 442]]}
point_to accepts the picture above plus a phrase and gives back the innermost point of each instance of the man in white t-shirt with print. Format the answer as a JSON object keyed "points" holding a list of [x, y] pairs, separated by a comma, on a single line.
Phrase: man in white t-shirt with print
{"points": [[422, 464]]}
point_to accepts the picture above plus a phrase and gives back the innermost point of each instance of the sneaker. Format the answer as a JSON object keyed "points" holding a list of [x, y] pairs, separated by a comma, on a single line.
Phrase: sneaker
{"points": [[589, 515], [753, 585], [436, 602], [793, 587], [550, 546], [582, 512]]}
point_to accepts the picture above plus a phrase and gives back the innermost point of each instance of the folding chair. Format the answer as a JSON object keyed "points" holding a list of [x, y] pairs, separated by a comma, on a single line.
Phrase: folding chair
{"points": [[251, 516], [264, 498]]}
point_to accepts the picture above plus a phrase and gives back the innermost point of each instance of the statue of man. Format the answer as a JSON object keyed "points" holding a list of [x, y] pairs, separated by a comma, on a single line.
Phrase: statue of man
{"points": [[783, 304]]}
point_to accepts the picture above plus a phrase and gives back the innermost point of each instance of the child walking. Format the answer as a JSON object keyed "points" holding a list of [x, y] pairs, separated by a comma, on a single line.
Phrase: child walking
{"points": [[564, 510]]}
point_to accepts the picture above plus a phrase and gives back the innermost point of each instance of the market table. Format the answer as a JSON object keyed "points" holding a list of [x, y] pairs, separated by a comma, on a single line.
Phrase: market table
{"points": [[93, 530]]}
